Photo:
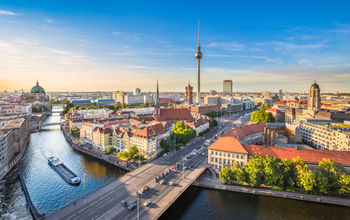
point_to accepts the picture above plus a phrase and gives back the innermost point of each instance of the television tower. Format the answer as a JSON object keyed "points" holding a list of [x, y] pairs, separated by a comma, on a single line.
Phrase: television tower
{"points": [[198, 56]]}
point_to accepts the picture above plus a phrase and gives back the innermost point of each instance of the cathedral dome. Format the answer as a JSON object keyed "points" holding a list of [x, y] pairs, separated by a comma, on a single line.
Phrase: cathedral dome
{"points": [[37, 89]]}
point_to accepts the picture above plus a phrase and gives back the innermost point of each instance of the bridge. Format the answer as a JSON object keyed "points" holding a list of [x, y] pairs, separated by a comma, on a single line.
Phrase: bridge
{"points": [[105, 203]]}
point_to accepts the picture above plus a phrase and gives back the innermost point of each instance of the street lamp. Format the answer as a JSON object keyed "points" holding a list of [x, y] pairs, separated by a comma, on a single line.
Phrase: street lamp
{"points": [[84, 187], [138, 204]]}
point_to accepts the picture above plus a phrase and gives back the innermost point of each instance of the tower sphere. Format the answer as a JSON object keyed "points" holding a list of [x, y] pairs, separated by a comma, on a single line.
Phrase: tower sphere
{"points": [[198, 55]]}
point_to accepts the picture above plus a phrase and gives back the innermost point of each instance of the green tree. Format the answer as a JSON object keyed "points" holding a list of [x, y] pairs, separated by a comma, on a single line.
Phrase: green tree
{"points": [[307, 179], [264, 107], [226, 175], [288, 171], [344, 184], [123, 155], [255, 171], [183, 133], [240, 175], [272, 173], [110, 149], [328, 174], [133, 151]]}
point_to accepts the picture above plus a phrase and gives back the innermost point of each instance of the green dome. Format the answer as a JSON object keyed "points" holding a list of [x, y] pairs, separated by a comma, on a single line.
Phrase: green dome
{"points": [[37, 89]]}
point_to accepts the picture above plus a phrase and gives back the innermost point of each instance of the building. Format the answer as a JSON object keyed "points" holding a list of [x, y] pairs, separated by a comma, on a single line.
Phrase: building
{"points": [[266, 94], [189, 94], [198, 56], [212, 100], [126, 99], [38, 98], [137, 91], [227, 150], [326, 136], [105, 102], [212, 92], [14, 138], [118, 96], [199, 126], [3, 157], [314, 103], [280, 94], [227, 88], [81, 102]]}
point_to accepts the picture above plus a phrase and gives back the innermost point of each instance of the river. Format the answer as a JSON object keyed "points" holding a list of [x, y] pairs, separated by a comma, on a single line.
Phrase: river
{"points": [[50, 192]]}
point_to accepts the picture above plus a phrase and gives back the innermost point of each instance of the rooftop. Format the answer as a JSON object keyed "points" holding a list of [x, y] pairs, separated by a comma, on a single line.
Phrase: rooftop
{"points": [[229, 144], [241, 132], [308, 155]]}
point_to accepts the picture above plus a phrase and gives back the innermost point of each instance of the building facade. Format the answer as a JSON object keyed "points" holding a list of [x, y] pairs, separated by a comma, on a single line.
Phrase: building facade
{"points": [[189, 95], [227, 87]]}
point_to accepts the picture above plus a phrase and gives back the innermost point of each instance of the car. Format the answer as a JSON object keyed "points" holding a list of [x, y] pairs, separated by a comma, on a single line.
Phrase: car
{"points": [[145, 204], [143, 189], [162, 181], [203, 154], [124, 203], [132, 206], [185, 168], [173, 167], [171, 183]]}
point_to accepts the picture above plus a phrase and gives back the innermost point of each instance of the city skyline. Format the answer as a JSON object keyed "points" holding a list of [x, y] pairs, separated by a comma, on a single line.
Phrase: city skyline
{"points": [[112, 46]]}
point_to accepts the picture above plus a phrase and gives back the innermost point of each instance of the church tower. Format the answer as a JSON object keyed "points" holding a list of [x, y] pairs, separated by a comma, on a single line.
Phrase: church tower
{"points": [[314, 103], [157, 104]]}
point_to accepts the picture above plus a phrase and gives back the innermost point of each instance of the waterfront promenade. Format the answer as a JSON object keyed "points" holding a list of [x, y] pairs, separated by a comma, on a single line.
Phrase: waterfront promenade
{"points": [[215, 183]]}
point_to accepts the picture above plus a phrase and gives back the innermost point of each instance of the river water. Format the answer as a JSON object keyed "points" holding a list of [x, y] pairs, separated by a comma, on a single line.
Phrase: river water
{"points": [[50, 192]]}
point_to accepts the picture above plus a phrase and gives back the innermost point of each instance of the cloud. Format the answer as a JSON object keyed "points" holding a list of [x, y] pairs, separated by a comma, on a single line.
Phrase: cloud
{"points": [[49, 21], [231, 46], [280, 45], [4, 12]]}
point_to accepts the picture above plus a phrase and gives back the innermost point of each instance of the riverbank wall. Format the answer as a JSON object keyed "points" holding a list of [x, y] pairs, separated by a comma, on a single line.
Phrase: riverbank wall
{"points": [[36, 215], [206, 182], [93, 153]]}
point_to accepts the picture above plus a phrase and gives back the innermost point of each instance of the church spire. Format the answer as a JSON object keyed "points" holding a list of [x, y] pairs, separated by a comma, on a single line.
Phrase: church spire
{"points": [[37, 82], [157, 97]]}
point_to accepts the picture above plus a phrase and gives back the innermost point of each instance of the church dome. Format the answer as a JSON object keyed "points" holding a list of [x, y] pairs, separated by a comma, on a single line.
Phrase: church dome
{"points": [[37, 89]]}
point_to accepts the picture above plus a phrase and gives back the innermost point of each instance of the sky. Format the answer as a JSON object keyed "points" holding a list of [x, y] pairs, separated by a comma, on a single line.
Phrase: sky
{"points": [[121, 45]]}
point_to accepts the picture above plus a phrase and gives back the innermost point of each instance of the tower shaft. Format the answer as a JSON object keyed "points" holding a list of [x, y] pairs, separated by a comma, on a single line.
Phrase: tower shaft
{"points": [[198, 80]]}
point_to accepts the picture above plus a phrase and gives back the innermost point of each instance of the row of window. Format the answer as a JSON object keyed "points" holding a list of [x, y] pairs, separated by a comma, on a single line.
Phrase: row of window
{"points": [[232, 155]]}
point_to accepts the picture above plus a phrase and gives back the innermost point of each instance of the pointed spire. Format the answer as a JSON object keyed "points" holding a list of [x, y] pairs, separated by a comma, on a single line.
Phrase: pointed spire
{"points": [[157, 98], [37, 82]]}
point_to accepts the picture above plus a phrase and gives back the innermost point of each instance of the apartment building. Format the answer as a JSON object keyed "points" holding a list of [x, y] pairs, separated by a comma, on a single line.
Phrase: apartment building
{"points": [[333, 136], [3, 157]]}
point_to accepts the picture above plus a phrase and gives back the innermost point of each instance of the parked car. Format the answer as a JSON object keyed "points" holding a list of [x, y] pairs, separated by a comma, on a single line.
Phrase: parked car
{"points": [[143, 189], [162, 181], [145, 204], [171, 183], [132, 206]]}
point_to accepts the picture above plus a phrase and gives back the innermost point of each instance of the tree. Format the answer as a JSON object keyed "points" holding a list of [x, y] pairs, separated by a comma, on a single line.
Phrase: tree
{"points": [[240, 175], [183, 133], [288, 171], [344, 184], [264, 107], [226, 175], [123, 155], [307, 179], [110, 149], [133, 151], [328, 175], [262, 117], [272, 174], [255, 171]]}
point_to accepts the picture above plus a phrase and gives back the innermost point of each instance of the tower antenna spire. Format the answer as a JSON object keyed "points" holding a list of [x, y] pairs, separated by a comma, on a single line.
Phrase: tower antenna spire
{"points": [[199, 40]]}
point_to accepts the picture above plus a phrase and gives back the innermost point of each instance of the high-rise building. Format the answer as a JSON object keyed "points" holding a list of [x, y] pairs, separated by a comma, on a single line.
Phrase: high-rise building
{"points": [[280, 94], [189, 94], [266, 94], [227, 87], [314, 103], [212, 92], [198, 56]]}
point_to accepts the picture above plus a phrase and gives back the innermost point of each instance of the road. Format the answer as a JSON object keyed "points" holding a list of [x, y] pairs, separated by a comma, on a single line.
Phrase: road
{"points": [[105, 203]]}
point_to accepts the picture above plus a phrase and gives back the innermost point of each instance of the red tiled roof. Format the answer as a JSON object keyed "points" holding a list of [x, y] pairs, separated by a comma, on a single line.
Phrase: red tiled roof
{"points": [[103, 130], [241, 132], [197, 123], [282, 102], [175, 114], [229, 144], [165, 100], [153, 129], [272, 110], [308, 155]]}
